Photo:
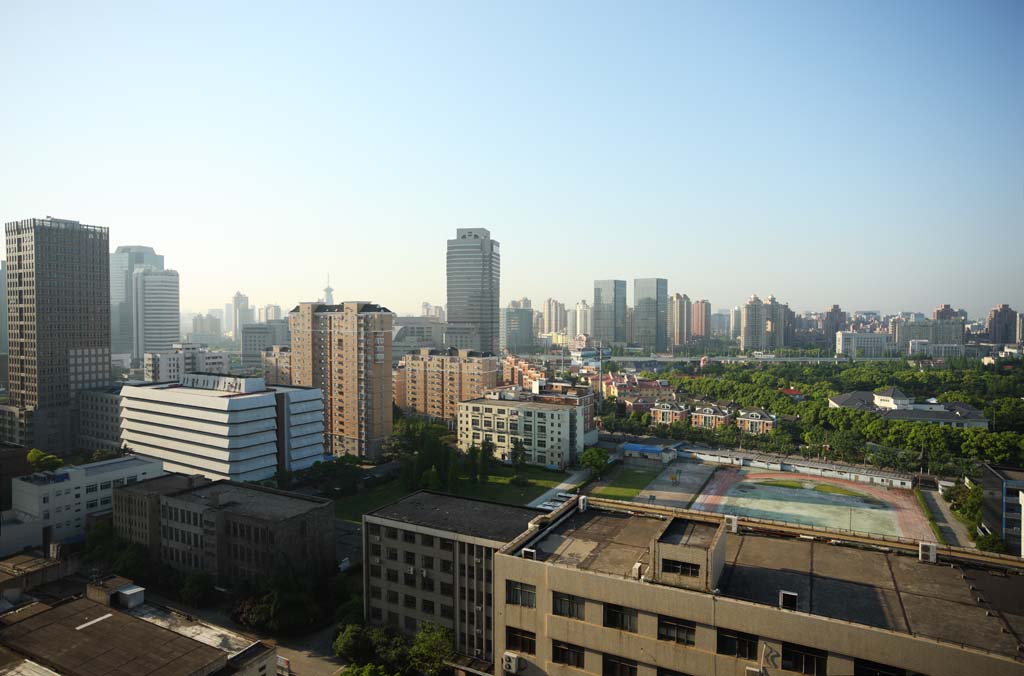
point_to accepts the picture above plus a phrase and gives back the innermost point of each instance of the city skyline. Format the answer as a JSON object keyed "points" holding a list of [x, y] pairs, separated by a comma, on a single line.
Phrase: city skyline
{"points": [[758, 152]]}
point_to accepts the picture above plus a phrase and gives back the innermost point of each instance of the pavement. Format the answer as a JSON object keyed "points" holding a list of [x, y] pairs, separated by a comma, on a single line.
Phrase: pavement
{"points": [[567, 486], [677, 485], [952, 528], [348, 542]]}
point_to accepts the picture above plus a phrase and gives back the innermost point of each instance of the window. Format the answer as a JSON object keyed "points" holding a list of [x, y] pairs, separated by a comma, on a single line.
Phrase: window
{"points": [[427, 540], [391, 533], [617, 666], [680, 567], [392, 554], [409, 601], [737, 644], [409, 536], [105, 486], [428, 562], [375, 571], [618, 617], [410, 558], [567, 653], [520, 594], [410, 624], [427, 606], [392, 596], [866, 668], [446, 545], [392, 575], [446, 566], [804, 660], [447, 612], [105, 501], [520, 640], [91, 488], [680, 631], [669, 672], [568, 605], [376, 592], [447, 589]]}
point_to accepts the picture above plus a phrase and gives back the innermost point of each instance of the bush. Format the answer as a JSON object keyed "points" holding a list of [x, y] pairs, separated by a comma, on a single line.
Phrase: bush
{"points": [[354, 644], [991, 543], [197, 589]]}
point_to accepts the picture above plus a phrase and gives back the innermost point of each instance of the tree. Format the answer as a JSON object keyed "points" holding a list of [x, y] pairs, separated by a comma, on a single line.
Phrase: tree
{"points": [[452, 479], [595, 459], [354, 644], [42, 461], [197, 589], [518, 458], [472, 462], [431, 649], [431, 480], [486, 455], [101, 454]]}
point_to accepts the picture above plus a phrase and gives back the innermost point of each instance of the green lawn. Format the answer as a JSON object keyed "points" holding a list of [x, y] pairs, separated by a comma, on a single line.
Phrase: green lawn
{"points": [[497, 489], [625, 483], [837, 490], [781, 483]]}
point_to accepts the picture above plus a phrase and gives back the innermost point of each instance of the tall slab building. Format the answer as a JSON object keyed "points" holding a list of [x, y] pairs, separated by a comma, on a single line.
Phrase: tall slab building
{"points": [[123, 263], [473, 283], [650, 307], [58, 293], [609, 311], [345, 350], [156, 311]]}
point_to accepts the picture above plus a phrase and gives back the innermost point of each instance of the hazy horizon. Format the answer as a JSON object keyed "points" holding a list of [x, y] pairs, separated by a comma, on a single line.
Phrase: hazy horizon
{"points": [[865, 155]]}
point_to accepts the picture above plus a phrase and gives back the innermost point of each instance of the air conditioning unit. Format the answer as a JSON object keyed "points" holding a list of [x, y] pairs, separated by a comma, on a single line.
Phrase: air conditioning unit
{"points": [[423, 572], [478, 561], [638, 569], [787, 600], [510, 663], [732, 523], [374, 538], [583, 503], [928, 552], [411, 570], [752, 671], [528, 553], [375, 559], [479, 609]]}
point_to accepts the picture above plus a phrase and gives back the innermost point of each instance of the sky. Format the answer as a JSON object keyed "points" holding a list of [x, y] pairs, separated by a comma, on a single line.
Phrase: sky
{"points": [[869, 154]]}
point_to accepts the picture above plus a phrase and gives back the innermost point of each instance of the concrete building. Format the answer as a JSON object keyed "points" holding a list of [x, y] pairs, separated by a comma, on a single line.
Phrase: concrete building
{"points": [[780, 323], [863, 345], [156, 311], [553, 434], [754, 331], [1002, 325], [224, 427], [735, 322], [1001, 487], [242, 314], [584, 319], [435, 381], [474, 285], [58, 503], [609, 312], [58, 292], [680, 320], [99, 419], [429, 558], [205, 329], [123, 263], [936, 331], [277, 365], [230, 530], [517, 330], [700, 321], [256, 338], [409, 334], [136, 507], [596, 588], [3, 318], [650, 302], [345, 351], [935, 350], [892, 404], [163, 367], [1020, 329], [833, 321], [554, 316]]}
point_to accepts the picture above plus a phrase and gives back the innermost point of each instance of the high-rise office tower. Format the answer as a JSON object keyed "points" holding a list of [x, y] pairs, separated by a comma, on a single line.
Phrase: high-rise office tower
{"points": [[156, 311], [1002, 325], [754, 333], [833, 321], [58, 291], [345, 350], [517, 329], [473, 281], [736, 322], [122, 266], [229, 318], [554, 316], [609, 312], [650, 303], [242, 314], [680, 312], [584, 319], [700, 322]]}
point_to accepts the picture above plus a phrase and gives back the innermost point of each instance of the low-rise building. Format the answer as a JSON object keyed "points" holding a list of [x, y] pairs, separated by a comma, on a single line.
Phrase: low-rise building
{"points": [[1002, 488], [224, 427], [709, 416], [864, 345], [57, 503], [137, 507], [754, 421], [669, 412], [163, 367], [892, 404], [429, 558]]}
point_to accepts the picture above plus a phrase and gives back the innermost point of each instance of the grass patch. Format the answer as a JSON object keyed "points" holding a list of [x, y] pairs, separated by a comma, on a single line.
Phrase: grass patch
{"points": [[500, 489], [626, 483], [781, 483], [838, 490], [352, 507], [931, 517]]}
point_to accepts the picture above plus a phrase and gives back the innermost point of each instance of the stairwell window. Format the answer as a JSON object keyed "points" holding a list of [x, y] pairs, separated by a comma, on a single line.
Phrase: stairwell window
{"points": [[520, 594]]}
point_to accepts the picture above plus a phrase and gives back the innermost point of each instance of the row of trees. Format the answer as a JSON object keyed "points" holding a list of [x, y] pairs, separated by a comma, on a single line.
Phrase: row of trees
{"points": [[379, 651]]}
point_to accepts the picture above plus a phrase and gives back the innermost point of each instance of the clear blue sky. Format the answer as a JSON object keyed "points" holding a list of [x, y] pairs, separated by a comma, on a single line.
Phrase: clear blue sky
{"points": [[865, 153]]}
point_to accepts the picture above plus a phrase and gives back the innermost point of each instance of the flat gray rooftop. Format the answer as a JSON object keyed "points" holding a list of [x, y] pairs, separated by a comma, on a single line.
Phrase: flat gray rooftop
{"points": [[166, 484], [119, 465], [83, 638], [475, 518], [251, 501], [865, 586], [690, 533]]}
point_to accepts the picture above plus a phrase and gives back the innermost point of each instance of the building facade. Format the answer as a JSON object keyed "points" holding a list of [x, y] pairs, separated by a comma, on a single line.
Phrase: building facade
{"points": [[650, 302], [58, 292], [156, 312], [123, 263], [224, 427], [700, 321], [474, 285], [1002, 325], [609, 312], [98, 418], [1001, 487], [258, 337], [413, 333], [277, 365], [435, 381], [863, 345], [345, 351], [163, 367], [753, 332]]}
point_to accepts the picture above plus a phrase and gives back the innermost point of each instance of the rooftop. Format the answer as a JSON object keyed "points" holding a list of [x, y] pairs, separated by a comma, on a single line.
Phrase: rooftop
{"points": [[125, 464], [1008, 473], [861, 585], [84, 638], [475, 518], [166, 484], [519, 403], [253, 501]]}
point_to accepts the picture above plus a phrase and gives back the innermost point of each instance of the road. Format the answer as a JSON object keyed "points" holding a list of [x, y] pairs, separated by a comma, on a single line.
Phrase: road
{"points": [[567, 486], [952, 528]]}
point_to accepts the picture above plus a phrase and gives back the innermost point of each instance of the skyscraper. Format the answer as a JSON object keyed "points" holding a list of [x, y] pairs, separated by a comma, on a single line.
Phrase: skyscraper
{"points": [[609, 312], [701, 320], [242, 314], [650, 302], [3, 311], [780, 323], [584, 319], [680, 319], [156, 312], [1002, 325], [554, 316], [122, 266], [833, 321], [58, 281], [345, 350], [753, 334], [735, 322], [474, 280], [517, 329]]}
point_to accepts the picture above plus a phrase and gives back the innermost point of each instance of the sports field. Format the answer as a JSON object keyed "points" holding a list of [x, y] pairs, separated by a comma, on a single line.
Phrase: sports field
{"points": [[815, 501]]}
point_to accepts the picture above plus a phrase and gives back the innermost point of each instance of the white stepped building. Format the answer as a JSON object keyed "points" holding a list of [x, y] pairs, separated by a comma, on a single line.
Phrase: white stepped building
{"points": [[224, 427]]}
